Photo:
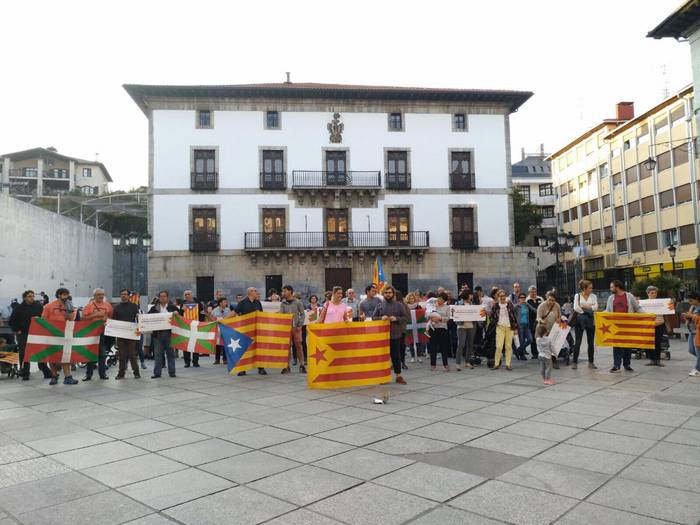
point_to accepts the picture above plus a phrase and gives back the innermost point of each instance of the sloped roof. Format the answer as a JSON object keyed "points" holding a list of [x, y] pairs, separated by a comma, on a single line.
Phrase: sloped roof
{"points": [[35, 153], [677, 24]]}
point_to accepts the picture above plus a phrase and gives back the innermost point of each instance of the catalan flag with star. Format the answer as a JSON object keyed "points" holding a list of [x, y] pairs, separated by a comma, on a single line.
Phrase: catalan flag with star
{"points": [[271, 334], [342, 355], [63, 341], [190, 311], [193, 336], [624, 330]]}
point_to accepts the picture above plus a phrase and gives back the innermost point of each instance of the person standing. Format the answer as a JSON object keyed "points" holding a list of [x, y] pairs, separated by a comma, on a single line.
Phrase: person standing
{"points": [[549, 313], [369, 304], [292, 305], [334, 311], [128, 312], [659, 331], [692, 318], [20, 319], [439, 338], [503, 316], [189, 298], [585, 306], [221, 311], [251, 303], [515, 294], [100, 309], [533, 301], [351, 301], [411, 301], [622, 302], [465, 334], [160, 339], [61, 309], [522, 314], [393, 311], [545, 354]]}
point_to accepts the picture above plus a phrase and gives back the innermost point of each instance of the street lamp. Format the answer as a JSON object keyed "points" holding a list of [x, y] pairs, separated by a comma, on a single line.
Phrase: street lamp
{"points": [[116, 240], [672, 252], [132, 239], [557, 244], [146, 240]]}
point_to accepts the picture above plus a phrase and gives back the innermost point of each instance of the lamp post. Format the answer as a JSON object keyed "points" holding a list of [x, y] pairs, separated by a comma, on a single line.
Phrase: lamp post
{"points": [[558, 244], [672, 252]]}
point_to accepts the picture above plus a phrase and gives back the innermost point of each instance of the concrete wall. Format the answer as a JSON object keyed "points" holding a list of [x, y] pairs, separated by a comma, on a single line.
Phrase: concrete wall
{"points": [[43, 251]]}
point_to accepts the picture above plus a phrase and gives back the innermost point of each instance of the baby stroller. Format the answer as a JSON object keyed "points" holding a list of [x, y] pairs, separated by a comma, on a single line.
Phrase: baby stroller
{"points": [[9, 361], [664, 347]]}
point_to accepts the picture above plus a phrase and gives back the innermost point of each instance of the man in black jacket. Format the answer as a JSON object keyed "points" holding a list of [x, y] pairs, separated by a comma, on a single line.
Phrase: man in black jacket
{"points": [[160, 339], [188, 298], [251, 303], [20, 319], [393, 311], [128, 312]]}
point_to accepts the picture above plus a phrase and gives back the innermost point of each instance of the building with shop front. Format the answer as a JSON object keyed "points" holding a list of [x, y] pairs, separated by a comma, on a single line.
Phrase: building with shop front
{"points": [[628, 191], [307, 184]]}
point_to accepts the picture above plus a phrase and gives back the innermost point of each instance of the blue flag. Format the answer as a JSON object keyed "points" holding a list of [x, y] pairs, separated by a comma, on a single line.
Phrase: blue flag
{"points": [[235, 344]]}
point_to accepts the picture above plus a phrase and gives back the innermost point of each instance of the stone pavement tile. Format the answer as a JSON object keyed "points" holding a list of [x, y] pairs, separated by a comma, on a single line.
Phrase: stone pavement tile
{"points": [[305, 484], [249, 467], [105, 508], [33, 428], [309, 424], [363, 463], [5, 404], [29, 470], [586, 458], [379, 505], [312, 407], [357, 434], [587, 513], [188, 417], [98, 455], [96, 422], [556, 392], [461, 404], [172, 489], [134, 428], [49, 492], [479, 462], [67, 442], [487, 395], [430, 481], [449, 432], [684, 454], [302, 517], [556, 417], [263, 415], [262, 437], [513, 411], [407, 444], [540, 430], [353, 414], [684, 436], [152, 519], [308, 449], [233, 408], [278, 400], [389, 408], [430, 412], [611, 442], [203, 451], [167, 439], [511, 388], [132, 470], [222, 426], [589, 409], [672, 475], [649, 500], [16, 452], [633, 429], [667, 419], [239, 505], [560, 479], [672, 408], [513, 444], [13, 413], [693, 423], [420, 397], [398, 423], [450, 516], [523, 506], [528, 400], [481, 420]]}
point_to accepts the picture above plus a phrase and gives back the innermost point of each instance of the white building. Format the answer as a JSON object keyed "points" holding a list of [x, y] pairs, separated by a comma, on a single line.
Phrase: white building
{"points": [[532, 174], [307, 183]]}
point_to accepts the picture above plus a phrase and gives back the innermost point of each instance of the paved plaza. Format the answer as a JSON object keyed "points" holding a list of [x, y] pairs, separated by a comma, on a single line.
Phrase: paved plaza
{"points": [[474, 447]]}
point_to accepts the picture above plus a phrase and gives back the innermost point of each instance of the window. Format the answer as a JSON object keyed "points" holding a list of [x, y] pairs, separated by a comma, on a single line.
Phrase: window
{"points": [[643, 134], [666, 199], [565, 217], [463, 234], [603, 170], [573, 213], [272, 175], [608, 233], [397, 176], [636, 244], [680, 155], [648, 204], [619, 213], [336, 168], [87, 173], [56, 173], [651, 242], [204, 176], [606, 201], [461, 176], [562, 163], [670, 237], [584, 209], [628, 143], [617, 179], [399, 221], [593, 205], [337, 221], [29, 172], [525, 192], [395, 122], [687, 233], [582, 181], [86, 190], [272, 120], [274, 227], [204, 119], [661, 125], [622, 246], [546, 189], [616, 151], [595, 237], [547, 212], [683, 194], [633, 209], [589, 147], [644, 173], [564, 189], [459, 122], [205, 235], [631, 175], [572, 186], [663, 161], [677, 115]]}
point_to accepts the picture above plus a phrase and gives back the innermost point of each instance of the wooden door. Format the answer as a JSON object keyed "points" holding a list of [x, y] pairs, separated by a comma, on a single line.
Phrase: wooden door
{"points": [[336, 227], [336, 168], [398, 226], [338, 277], [274, 227], [273, 282], [205, 289]]}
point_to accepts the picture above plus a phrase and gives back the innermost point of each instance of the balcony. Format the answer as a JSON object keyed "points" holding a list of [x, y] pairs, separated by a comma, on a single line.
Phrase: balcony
{"points": [[28, 173], [273, 181], [344, 188], [56, 174], [397, 181], [204, 242], [465, 240], [204, 181], [462, 181]]}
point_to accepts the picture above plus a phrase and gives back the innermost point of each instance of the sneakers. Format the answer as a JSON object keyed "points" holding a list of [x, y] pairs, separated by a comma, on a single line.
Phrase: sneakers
{"points": [[155, 377], [262, 371], [172, 375], [54, 381], [412, 360], [119, 376], [400, 380], [614, 370], [694, 373], [286, 370], [70, 381], [87, 378], [187, 365], [420, 360], [629, 369], [196, 365]]}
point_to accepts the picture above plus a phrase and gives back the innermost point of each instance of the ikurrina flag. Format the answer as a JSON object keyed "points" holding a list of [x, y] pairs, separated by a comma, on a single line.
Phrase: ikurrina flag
{"points": [[271, 335], [415, 329], [63, 341], [193, 336], [191, 311], [624, 330], [342, 355]]}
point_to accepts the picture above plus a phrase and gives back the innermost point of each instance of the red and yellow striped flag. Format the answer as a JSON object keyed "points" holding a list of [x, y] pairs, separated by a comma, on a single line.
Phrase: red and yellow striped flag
{"points": [[624, 330], [342, 355], [190, 311], [271, 334], [135, 297]]}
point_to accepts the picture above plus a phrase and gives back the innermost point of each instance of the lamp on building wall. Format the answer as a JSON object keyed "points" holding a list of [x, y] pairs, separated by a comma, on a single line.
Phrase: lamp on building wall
{"points": [[650, 163], [146, 240], [132, 239], [116, 240]]}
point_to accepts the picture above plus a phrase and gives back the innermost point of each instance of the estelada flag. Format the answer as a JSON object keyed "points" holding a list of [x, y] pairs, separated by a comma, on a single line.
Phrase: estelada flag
{"points": [[342, 355], [271, 334], [63, 341], [190, 311], [135, 297], [624, 330], [378, 275], [193, 336], [7, 356], [415, 329]]}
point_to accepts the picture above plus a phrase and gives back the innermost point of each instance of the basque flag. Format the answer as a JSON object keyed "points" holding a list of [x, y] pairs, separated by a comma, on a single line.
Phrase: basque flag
{"points": [[235, 344]]}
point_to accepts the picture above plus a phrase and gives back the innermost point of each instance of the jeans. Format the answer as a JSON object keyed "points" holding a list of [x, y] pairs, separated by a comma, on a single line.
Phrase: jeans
{"points": [[533, 346], [590, 339], [190, 357], [545, 367], [465, 336], [439, 343], [694, 350], [102, 356], [621, 356], [504, 338], [655, 354], [160, 341], [395, 351], [24, 371], [525, 337]]}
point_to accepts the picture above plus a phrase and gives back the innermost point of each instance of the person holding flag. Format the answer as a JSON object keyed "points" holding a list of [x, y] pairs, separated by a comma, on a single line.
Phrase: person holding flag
{"points": [[235, 344], [393, 311], [160, 339], [192, 310], [251, 303], [622, 302], [98, 308], [292, 305], [60, 309], [369, 304], [126, 311]]}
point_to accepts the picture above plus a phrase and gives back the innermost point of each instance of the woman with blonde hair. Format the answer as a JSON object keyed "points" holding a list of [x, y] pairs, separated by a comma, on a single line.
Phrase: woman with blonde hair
{"points": [[411, 301]]}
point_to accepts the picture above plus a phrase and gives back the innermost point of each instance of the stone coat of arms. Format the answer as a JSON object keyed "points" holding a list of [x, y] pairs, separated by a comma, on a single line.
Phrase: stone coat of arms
{"points": [[335, 128]]}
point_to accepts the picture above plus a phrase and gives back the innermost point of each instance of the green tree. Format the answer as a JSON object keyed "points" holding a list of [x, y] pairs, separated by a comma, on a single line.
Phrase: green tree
{"points": [[526, 216], [667, 284]]}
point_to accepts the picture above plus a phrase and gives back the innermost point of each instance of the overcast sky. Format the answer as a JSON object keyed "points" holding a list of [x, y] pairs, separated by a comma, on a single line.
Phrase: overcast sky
{"points": [[65, 61]]}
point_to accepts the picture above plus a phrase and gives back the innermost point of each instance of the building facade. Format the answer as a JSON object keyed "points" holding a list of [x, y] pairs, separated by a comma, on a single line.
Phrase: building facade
{"points": [[307, 183], [44, 173], [532, 175], [627, 189]]}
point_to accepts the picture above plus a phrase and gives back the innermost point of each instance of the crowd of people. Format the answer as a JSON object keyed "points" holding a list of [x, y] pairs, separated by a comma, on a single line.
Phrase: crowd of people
{"points": [[515, 323]]}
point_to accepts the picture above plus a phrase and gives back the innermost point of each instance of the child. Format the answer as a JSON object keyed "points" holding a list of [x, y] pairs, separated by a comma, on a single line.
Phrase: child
{"points": [[544, 349]]}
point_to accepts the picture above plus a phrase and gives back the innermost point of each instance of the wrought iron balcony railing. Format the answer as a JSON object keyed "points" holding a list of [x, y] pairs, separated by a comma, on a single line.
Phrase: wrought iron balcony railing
{"points": [[336, 179], [462, 181], [465, 240], [397, 181], [204, 242], [24, 172], [204, 181], [322, 240], [273, 181]]}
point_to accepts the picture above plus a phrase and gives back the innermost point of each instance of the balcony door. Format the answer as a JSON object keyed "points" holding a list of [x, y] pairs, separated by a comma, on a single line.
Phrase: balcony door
{"points": [[274, 227], [463, 235], [397, 170], [399, 220], [337, 226], [336, 168], [204, 176], [273, 169], [461, 170], [205, 235]]}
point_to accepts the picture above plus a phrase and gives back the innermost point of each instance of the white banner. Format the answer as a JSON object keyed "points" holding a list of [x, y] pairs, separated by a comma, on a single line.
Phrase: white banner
{"points": [[122, 329], [310, 316], [657, 306], [467, 312], [271, 306], [153, 322], [557, 337]]}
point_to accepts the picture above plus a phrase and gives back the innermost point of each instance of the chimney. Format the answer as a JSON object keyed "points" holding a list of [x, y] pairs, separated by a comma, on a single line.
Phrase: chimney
{"points": [[624, 110], [289, 79], [522, 153]]}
